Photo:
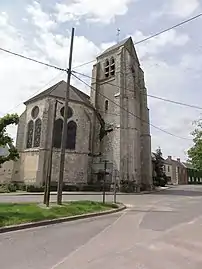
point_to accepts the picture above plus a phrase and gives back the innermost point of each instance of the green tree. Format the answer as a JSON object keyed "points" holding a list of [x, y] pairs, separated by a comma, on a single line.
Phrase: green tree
{"points": [[161, 179], [195, 152], [6, 140]]}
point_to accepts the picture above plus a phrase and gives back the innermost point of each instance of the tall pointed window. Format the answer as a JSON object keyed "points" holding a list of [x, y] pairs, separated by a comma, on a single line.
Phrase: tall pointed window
{"points": [[107, 68], [30, 131], [71, 135], [57, 134], [37, 133], [112, 67]]}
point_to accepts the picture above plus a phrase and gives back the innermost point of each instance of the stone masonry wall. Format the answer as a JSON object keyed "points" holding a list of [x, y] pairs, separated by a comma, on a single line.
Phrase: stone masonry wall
{"points": [[76, 161]]}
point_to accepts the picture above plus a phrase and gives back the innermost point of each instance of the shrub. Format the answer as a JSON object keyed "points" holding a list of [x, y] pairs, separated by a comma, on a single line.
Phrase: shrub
{"points": [[21, 186], [3, 189], [12, 187], [7, 187], [34, 188], [128, 186], [70, 187]]}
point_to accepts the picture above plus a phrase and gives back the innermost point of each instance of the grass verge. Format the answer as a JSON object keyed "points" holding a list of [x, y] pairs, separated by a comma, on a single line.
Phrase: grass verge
{"points": [[12, 214]]}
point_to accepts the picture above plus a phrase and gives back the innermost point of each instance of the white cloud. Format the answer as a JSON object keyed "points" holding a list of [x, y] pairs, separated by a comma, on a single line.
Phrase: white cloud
{"points": [[21, 79], [174, 82], [178, 8], [154, 45], [59, 44], [103, 11], [39, 18], [184, 8]]}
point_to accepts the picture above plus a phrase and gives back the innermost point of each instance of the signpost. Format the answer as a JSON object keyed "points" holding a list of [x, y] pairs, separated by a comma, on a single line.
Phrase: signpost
{"points": [[104, 168]]}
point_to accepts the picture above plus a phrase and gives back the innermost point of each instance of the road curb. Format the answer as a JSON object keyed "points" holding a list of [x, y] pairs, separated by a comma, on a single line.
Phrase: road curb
{"points": [[155, 190], [60, 220], [79, 193]]}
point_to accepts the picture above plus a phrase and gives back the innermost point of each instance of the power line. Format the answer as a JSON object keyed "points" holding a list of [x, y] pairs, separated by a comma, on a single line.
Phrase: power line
{"points": [[174, 102], [33, 60], [158, 128], [84, 64], [152, 36], [168, 29], [149, 95]]}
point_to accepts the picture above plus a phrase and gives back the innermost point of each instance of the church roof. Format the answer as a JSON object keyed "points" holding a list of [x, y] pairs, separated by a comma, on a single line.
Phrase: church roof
{"points": [[127, 43], [116, 46], [58, 90]]}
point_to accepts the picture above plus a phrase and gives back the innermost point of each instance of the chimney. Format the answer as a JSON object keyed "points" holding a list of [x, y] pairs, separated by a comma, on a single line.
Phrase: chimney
{"points": [[178, 159], [170, 158]]}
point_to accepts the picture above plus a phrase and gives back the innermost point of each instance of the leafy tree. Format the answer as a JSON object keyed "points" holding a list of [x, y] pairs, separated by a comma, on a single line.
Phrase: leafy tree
{"points": [[195, 152], [161, 178], [6, 140]]}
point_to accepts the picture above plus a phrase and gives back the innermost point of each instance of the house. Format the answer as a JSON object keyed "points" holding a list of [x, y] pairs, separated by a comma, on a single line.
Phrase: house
{"points": [[175, 171]]}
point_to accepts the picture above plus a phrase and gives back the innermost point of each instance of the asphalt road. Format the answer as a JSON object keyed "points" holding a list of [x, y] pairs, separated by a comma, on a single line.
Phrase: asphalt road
{"points": [[161, 230]]}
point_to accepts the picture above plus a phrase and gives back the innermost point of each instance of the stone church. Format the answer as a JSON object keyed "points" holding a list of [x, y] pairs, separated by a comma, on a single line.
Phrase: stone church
{"points": [[111, 124]]}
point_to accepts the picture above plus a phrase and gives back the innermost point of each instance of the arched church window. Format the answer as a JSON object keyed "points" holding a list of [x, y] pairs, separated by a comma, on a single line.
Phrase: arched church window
{"points": [[106, 105], [30, 130], [57, 133], [71, 135], [35, 112], [37, 133], [69, 113], [112, 66], [107, 68]]}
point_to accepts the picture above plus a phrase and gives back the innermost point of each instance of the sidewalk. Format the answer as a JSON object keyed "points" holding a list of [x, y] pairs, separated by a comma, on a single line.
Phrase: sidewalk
{"points": [[83, 193]]}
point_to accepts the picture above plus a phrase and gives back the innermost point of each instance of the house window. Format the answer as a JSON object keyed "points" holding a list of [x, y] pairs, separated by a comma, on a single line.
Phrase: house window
{"points": [[112, 67], [71, 135], [107, 68], [168, 168], [106, 105], [30, 130], [57, 133], [37, 133]]}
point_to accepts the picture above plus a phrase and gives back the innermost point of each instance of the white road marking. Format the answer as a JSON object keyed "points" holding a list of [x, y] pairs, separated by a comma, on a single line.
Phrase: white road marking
{"points": [[93, 238]]}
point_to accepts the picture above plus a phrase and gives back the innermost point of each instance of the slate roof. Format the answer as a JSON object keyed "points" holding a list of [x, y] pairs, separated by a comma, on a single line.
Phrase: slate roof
{"points": [[127, 43], [116, 46], [58, 90]]}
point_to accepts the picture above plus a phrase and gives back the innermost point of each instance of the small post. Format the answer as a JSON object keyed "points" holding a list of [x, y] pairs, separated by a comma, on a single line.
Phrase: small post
{"points": [[104, 181], [115, 189], [64, 130]]}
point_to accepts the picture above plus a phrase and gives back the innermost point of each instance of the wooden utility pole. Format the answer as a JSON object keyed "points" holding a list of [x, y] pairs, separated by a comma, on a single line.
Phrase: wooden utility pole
{"points": [[64, 130], [48, 180]]}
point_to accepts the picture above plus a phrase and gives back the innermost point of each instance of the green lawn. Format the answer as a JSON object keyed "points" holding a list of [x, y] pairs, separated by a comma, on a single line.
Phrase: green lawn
{"points": [[11, 214]]}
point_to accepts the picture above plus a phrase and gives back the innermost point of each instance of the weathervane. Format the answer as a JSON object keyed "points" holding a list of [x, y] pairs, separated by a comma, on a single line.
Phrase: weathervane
{"points": [[118, 34]]}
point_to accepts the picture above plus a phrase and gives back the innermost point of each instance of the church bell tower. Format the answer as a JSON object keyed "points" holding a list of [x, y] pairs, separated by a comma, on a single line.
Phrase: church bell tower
{"points": [[117, 94]]}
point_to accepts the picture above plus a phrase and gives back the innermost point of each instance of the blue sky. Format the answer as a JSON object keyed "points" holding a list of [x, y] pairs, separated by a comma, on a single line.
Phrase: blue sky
{"points": [[172, 62]]}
